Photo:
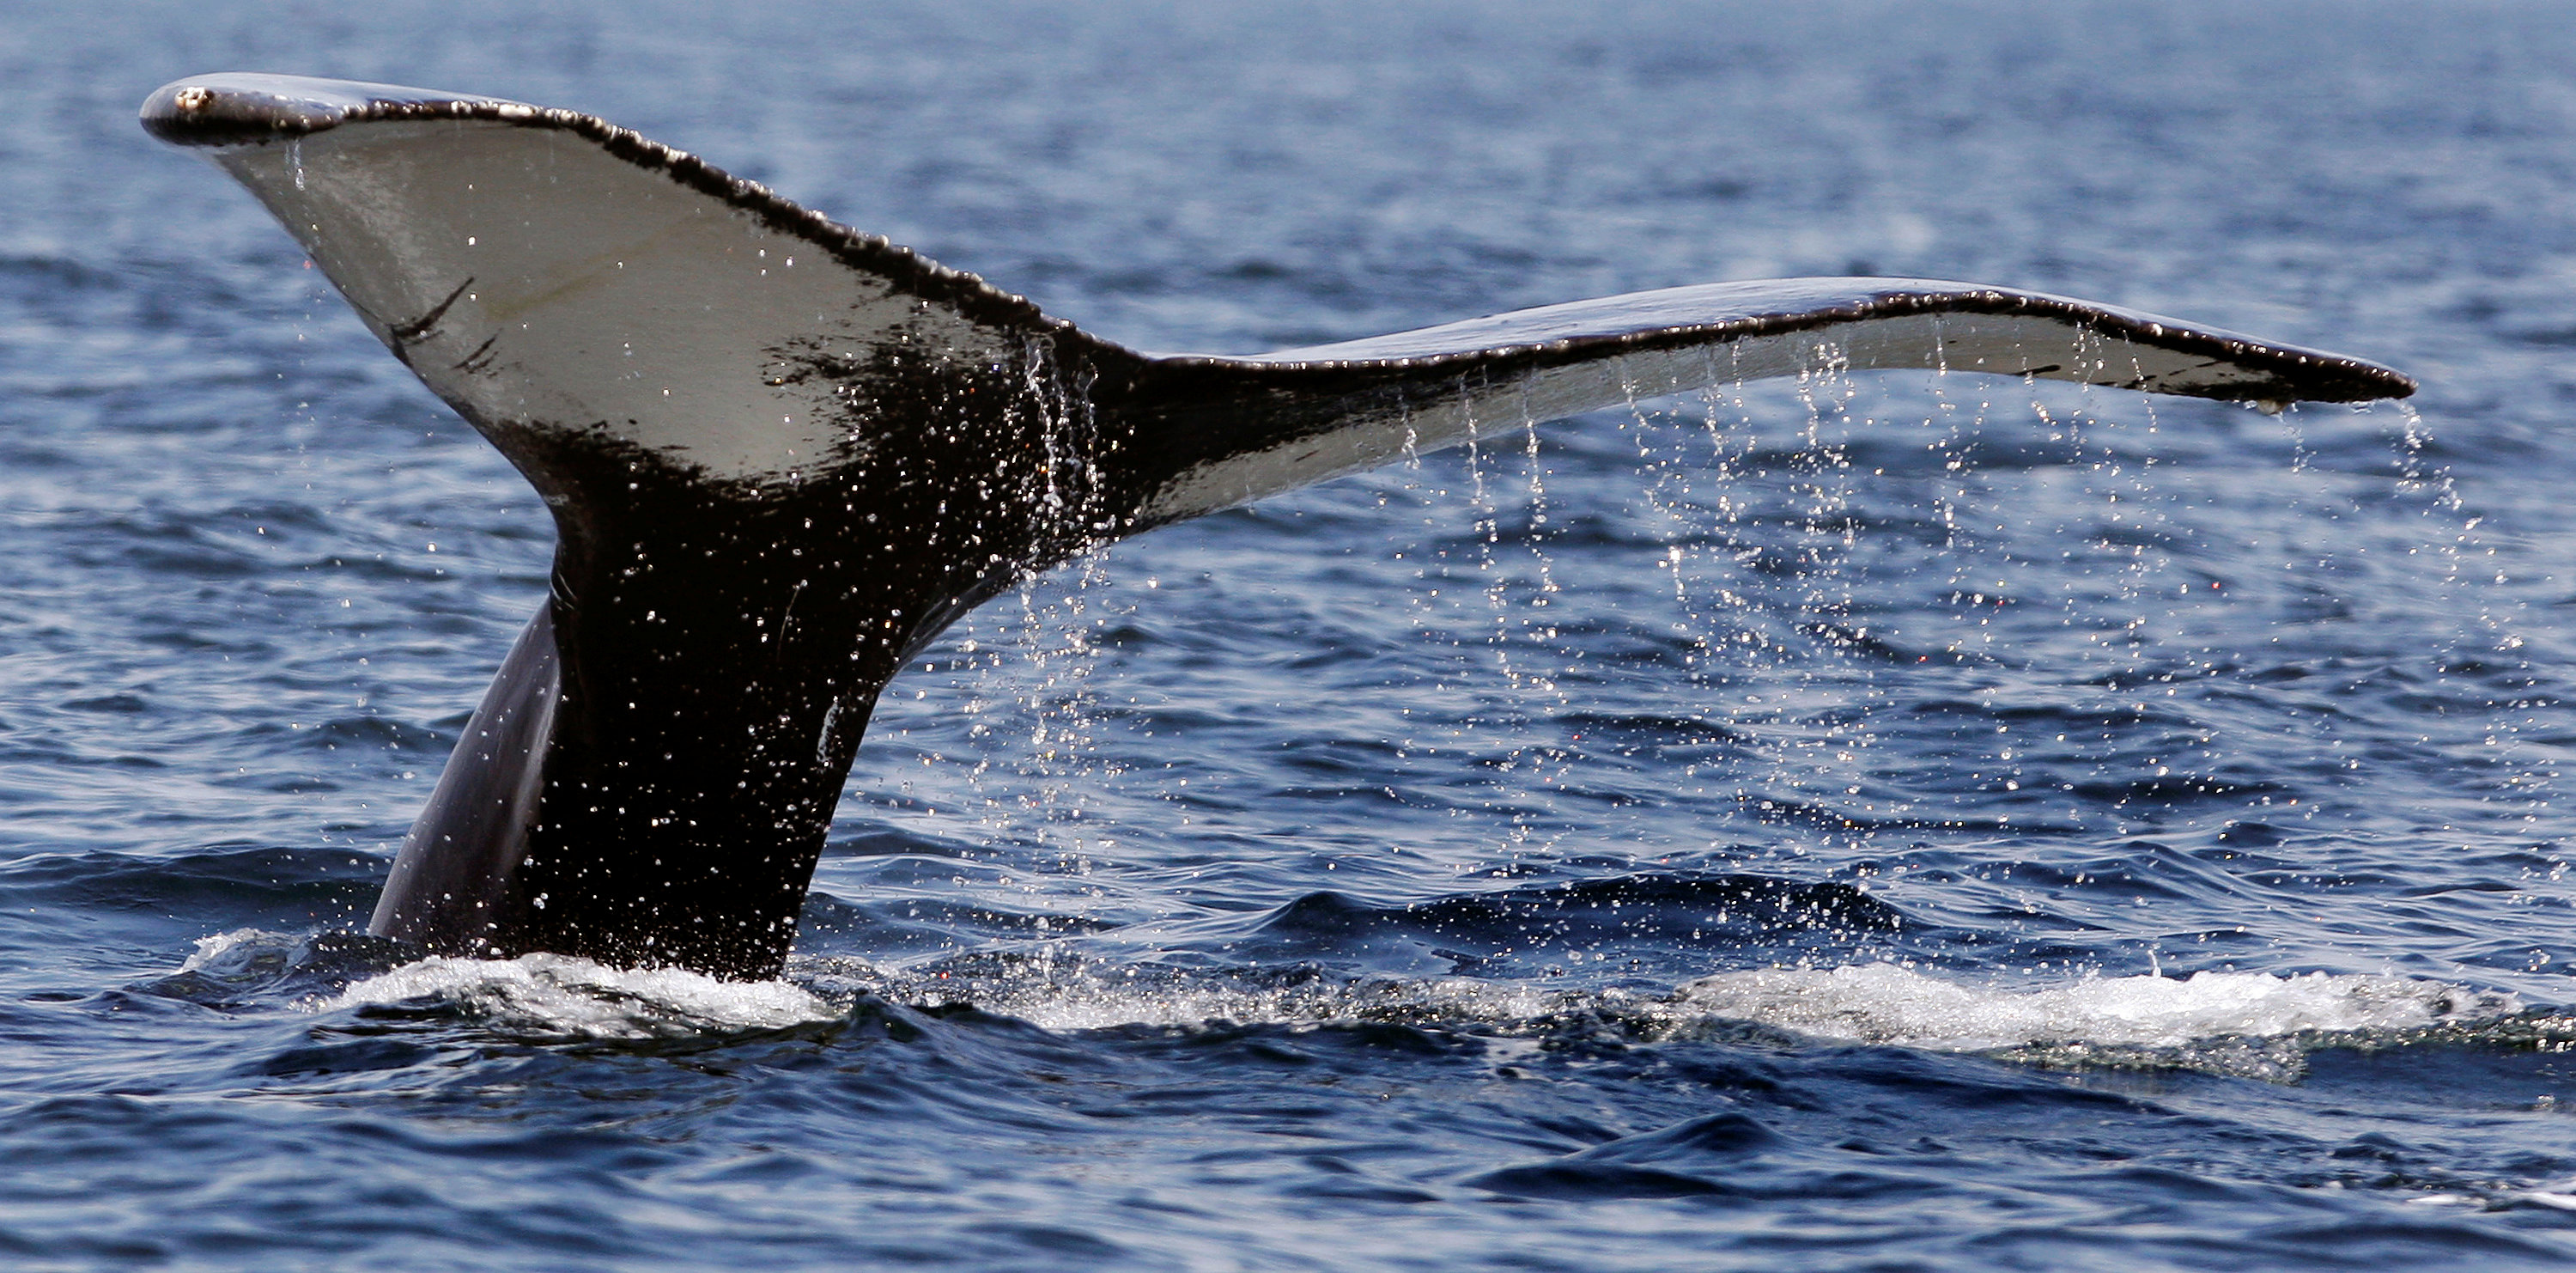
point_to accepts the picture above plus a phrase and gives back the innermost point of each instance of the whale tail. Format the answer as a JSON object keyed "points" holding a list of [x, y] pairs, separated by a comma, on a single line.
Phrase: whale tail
{"points": [[782, 455]]}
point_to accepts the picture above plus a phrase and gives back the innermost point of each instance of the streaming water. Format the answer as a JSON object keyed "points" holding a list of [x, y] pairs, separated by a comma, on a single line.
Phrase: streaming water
{"points": [[1859, 821]]}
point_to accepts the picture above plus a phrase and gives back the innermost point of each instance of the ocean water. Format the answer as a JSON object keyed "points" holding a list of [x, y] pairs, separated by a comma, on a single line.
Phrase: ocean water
{"points": [[1881, 822]]}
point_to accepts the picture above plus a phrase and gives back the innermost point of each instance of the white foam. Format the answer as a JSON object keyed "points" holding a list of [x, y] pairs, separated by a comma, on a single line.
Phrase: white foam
{"points": [[216, 949], [1885, 1003], [1104, 1004], [1871, 1003], [563, 996]]}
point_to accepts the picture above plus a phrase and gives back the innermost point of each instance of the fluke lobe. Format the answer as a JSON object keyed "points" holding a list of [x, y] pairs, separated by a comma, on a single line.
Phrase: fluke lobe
{"points": [[783, 455]]}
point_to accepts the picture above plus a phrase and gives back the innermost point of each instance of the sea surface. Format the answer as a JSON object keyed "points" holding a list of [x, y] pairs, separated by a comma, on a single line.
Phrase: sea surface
{"points": [[1868, 822]]}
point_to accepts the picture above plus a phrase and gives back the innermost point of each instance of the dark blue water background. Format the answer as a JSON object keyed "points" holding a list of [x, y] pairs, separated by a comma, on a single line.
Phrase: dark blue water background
{"points": [[1881, 822]]}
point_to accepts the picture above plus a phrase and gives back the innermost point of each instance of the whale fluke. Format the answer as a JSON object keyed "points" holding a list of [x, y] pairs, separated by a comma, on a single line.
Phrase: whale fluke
{"points": [[782, 455]]}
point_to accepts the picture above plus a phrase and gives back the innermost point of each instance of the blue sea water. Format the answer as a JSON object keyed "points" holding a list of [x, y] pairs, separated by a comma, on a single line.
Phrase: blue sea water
{"points": [[1873, 822]]}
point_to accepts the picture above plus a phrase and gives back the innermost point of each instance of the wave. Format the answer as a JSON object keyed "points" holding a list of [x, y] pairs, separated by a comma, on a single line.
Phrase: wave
{"points": [[2252, 1024], [2246, 1024], [2243, 1024], [564, 997]]}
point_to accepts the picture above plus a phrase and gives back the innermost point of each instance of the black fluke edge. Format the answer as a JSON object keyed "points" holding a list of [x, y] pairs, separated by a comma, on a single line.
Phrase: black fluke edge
{"points": [[650, 778], [230, 110]]}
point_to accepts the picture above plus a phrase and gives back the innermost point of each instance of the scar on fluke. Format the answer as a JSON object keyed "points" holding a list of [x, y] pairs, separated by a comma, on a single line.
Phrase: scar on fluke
{"points": [[408, 333], [745, 555]]}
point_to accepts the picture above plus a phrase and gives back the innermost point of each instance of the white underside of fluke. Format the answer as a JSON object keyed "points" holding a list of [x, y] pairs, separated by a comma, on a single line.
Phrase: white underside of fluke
{"points": [[529, 276], [544, 270], [2055, 345]]}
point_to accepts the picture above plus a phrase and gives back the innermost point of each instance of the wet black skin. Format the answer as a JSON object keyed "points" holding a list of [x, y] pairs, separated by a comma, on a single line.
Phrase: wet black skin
{"points": [[691, 697], [651, 777]]}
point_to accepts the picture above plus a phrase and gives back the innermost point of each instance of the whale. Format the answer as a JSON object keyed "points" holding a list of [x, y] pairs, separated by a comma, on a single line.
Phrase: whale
{"points": [[782, 455]]}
